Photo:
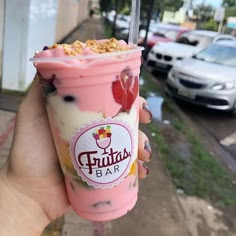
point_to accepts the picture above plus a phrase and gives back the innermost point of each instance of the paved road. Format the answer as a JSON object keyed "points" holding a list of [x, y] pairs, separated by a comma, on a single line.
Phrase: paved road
{"points": [[219, 124]]}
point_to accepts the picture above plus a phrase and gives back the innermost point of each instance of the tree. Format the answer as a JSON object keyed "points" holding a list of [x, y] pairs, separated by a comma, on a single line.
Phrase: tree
{"points": [[114, 22], [229, 3], [210, 25], [169, 5], [104, 4], [159, 6], [230, 11], [204, 12]]}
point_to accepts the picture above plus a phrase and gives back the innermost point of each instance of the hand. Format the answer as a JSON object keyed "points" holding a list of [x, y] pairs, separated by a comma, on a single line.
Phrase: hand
{"points": [[32, 173]]}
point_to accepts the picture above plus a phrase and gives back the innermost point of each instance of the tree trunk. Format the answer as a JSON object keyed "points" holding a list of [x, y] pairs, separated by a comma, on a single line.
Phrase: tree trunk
{"points": [[114, 22], [149, 16]]}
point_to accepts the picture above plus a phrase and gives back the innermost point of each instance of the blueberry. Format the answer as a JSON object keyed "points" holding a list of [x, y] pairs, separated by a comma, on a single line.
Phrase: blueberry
{"points": [[45, 48], [51, 88], [47, 85], [69, 98]]}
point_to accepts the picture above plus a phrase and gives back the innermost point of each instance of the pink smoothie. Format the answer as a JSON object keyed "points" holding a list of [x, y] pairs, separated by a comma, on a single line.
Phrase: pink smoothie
{"points": [[92, 104]]}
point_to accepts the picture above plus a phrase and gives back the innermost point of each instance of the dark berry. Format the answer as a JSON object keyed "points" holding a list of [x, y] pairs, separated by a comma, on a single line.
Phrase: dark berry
{"points": [[47, 86], [51, 88], [45, 48], [69, 98]]}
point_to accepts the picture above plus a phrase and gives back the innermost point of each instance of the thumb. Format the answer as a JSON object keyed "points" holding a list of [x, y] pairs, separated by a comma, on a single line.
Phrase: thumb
{"points": [[32, 142]]}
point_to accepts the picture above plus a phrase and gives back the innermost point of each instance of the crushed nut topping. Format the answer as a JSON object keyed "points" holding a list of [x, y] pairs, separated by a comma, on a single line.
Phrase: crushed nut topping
{"points": [[111, 45], [104, 46]]}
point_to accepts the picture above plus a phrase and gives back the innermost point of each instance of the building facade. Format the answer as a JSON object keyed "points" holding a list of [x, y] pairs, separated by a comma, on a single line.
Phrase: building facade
{"points": [[27, 26]]}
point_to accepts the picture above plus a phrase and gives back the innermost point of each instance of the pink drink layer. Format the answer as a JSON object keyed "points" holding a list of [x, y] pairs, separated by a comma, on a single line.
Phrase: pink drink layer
{"points": [[93, 107]]}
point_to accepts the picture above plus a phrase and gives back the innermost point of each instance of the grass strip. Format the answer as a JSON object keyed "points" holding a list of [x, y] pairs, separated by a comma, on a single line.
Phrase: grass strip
{"points": [[198, 174]]}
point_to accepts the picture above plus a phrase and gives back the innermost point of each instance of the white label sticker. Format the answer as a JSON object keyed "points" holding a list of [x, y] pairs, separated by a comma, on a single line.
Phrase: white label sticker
{"points": [[102, 152]]}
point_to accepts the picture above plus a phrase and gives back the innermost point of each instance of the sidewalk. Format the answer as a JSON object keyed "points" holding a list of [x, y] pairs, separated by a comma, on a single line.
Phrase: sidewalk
{"points": [[157, 212]]}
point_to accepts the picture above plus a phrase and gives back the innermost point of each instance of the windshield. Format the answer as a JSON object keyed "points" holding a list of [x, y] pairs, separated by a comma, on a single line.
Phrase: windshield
{"points": [[172, 34], [219, 54], [167, 33], [195, 39]]}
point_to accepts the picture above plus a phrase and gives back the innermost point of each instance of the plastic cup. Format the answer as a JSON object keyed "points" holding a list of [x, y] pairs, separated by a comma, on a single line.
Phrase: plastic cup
{"points": [[93, 108]]}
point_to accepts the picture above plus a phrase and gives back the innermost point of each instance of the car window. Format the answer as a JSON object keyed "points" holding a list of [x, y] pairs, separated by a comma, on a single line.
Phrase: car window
{"points": [[160, 31], [195, 39], [172, 34], [167, 33], [219, 54]]}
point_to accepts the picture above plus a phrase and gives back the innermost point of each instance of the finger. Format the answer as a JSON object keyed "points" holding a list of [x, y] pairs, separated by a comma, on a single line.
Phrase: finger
{"points": [[32, 134], [145, 114], [144, 147], [33, 104], [143, 170]]}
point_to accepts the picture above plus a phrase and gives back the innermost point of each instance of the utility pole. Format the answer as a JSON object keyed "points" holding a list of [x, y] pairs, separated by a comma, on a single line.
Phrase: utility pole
{"points": [[149, 16], [219, 17]]}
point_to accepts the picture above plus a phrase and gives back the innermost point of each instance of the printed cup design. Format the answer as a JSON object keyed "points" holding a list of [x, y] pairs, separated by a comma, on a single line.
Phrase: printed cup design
{"points": [[102, 152], [103, 138]]}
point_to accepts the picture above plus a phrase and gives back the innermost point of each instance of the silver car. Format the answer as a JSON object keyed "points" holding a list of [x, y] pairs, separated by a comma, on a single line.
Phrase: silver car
{"points": [[207, 78]]}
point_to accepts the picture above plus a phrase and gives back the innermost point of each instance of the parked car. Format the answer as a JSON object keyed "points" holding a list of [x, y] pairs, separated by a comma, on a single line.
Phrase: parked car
{"points": [[122, 22], [163, 55], [207, 78], [158, 32], [124, 33], [162, 33]]}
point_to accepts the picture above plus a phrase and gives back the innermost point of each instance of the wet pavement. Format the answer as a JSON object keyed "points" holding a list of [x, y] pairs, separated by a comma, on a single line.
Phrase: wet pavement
{"points": [[220, 126], [201, 217]]}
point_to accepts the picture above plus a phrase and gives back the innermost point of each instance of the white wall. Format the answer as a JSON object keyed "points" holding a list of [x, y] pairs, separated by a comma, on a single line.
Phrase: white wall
{"points": [[66, 18], [29, 25], [41, 31], [15, 42], [1, 33], [70, 14]]}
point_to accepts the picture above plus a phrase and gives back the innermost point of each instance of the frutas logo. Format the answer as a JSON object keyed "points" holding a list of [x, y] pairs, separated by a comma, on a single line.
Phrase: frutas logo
{"points": [[103, 137], [102, 152]]}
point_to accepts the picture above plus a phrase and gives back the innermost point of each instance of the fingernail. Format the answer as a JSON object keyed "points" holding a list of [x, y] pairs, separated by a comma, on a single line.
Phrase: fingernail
{"points": [[142, 60], [146, 168], [148, 148], [147, 109]]}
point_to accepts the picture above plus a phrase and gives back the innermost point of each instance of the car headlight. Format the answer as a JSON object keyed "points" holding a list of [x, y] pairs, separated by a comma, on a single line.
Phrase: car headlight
{"points": [[223, 86], [173, 74]]}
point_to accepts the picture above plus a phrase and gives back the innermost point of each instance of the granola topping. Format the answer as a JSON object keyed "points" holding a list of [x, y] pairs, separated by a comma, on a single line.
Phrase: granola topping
{"points": [[96, 46]]}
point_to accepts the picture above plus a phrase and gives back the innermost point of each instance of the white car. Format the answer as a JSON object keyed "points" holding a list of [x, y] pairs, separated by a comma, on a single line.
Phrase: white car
{"points": [[122, 22], [163, 55]]}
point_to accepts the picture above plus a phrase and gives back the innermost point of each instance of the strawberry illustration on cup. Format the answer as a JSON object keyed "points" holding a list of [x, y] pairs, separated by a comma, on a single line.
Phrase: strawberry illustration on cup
{"points": [[125, 89]]}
